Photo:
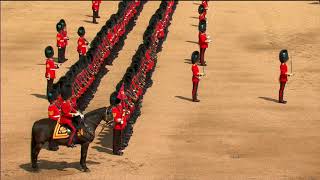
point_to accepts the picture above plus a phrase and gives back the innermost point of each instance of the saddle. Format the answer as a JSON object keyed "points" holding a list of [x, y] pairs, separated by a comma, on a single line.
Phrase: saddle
{"points": [[63, 131]]}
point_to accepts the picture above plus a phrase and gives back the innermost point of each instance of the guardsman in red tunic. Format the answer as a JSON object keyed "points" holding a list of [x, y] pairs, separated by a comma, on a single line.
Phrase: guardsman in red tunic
{"points": [[195, 75], [202, 13], [54, 113], [203, 41], [68, 112], [117, 113], [51, 68], [95, 9], [61, 43], [283, 57], [65, 34], [82, 43]]}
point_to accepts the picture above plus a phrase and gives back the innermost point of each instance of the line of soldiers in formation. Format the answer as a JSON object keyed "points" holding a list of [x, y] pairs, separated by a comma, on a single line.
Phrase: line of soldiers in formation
{"points": [[64, 96], [204, 39], [127, 98]]}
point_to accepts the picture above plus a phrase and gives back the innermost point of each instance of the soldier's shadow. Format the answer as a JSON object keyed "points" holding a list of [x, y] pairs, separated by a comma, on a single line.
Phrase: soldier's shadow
{"points": [[52, 165], [105, 141]]}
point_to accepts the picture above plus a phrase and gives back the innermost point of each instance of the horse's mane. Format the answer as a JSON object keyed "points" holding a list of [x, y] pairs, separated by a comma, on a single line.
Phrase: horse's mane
{"points": [[96, 111]]}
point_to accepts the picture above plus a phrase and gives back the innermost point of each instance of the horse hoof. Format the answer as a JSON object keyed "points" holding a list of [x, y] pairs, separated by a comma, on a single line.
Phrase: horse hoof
{"points": [[85, 169], [35, 168]]}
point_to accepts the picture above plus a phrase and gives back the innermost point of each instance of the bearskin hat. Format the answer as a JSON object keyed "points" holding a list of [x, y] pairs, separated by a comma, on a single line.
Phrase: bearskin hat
{"points": [[59, 26], [81, 31], [195, 57], [48, 51], [201, 9], [66, 91], [52, 95], [114, 100], [202, 26], [283, 56], [63, 23]]}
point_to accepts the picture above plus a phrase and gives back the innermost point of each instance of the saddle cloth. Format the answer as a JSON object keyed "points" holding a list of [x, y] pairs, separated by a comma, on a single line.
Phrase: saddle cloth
{"points": [[61, 132]]}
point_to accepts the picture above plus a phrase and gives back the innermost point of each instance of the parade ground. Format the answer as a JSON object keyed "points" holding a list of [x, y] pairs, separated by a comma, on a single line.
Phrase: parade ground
{"points": [[238, 130]]}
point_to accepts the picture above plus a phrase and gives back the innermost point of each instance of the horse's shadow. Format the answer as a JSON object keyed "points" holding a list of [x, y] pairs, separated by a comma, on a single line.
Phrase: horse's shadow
{"points": [[52, 165], [104, 141]]}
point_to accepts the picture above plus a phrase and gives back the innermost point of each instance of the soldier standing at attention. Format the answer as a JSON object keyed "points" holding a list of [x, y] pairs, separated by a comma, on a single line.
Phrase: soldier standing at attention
{"points": [[82, 43], [195, 75], [95, 10], [61, 43], [203, 41], [283, 57], [65, 35], [51, 68], [117, 113]]}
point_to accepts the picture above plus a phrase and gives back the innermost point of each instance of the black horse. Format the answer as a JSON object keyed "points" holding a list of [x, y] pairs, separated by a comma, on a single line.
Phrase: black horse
{"points": [[43, 129]]}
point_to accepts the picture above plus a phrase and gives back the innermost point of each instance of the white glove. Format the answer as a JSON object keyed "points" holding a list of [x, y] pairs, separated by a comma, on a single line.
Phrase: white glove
{"points": [[81, 115]]}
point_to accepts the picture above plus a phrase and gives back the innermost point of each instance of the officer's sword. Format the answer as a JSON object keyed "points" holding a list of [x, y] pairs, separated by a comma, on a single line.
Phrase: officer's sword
{"points": [[204, 72]]}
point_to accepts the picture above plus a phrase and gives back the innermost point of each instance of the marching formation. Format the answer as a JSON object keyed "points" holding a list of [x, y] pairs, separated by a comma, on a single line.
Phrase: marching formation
{"points": [[126, 101], [70, 96], [72, 93]]}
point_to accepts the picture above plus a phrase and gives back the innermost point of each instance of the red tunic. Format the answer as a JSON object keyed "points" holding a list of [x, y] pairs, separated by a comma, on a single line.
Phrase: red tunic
{"points": [[195, 72], [202, 40], [82, 46], [50, 69], [65, 36], [66, 110], [117, 116], [202, 16], [205, 4], [60, 40], [283, 73], [95, 5], [53, 112]]}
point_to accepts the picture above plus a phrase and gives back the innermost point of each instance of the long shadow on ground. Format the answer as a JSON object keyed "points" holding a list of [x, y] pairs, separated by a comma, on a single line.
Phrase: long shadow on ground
{"points": [[105, 141], [51, 165], [184, 98], [269, 99]]}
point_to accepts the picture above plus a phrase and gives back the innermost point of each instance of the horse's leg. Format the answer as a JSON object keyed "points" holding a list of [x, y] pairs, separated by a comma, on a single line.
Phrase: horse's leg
{"points": [[84, 151], [34, 155]]}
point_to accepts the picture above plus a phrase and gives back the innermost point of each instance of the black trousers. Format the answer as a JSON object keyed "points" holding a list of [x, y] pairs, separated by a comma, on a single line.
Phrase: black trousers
{"points": [[202, 51], [49, 85], [195, 90], [117, 140], [94, 16], [61, 54], [281, 90]]}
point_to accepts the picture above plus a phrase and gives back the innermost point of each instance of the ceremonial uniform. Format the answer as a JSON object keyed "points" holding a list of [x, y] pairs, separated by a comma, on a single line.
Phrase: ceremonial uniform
{"points": [[283, 80], [203, 46], [117, 129], [61, 44], [82, 46], [195, 81], [283, 57], [66, 118], [51, 68], [205, 4], [95, 9], [54, 112]]}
